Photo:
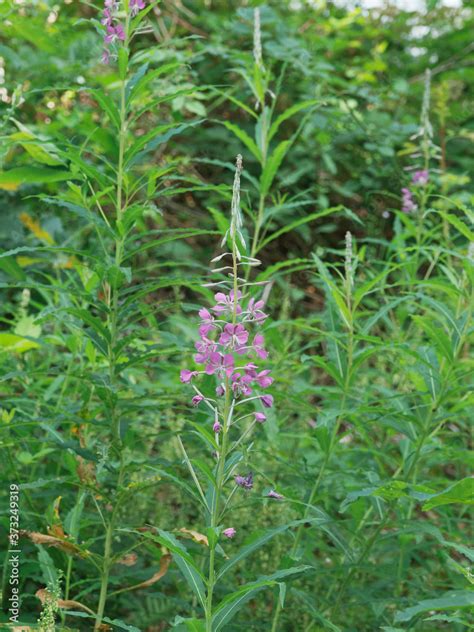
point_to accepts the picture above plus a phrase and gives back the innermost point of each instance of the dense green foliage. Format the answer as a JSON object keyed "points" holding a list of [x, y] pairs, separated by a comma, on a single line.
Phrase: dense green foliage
{"points": [[116, 189]]}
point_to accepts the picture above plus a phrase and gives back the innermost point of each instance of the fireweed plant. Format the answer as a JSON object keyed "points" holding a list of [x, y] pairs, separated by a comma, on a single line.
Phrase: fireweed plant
{"points": [[227, 350], [97, 314]]}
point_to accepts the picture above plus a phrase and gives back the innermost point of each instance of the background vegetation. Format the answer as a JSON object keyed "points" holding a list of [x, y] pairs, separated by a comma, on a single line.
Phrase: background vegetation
{"points": [[368, 438]]}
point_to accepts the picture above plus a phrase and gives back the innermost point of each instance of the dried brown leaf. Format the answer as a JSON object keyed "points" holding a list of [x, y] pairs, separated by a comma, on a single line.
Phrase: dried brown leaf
{"points": [[194, 535], [43, 595], [164, 564], [128, 560], [48, 540]]}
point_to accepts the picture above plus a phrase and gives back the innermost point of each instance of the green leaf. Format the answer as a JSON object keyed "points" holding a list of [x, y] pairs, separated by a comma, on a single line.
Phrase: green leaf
{"points": [[460, 492], [48, 569], [459, 225], [258, 541], [142, 78], [118, 623], [152, 140], [16, 344], [108, 106], [12, 179], [299, 222], [185, 563], [272, 165], [389, 491], [189, 625], [449, 601], [40, 152], [231, 605], [291, 111], [131, 84], [245, 138]]}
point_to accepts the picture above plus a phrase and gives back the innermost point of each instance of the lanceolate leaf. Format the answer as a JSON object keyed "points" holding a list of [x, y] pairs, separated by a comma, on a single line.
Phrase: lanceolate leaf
{"points": [[245, 138], [454, 600], [272, 165], [231, 605]]}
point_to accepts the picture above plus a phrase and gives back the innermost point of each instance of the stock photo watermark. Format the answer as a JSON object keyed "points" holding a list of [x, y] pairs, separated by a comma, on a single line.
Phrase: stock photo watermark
{"points": [[14, 554]]}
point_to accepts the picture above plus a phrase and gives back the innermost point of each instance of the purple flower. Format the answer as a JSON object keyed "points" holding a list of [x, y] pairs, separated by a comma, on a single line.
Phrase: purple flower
{"points": [[136, 6], [263, 379], [254, 310], [258, 347], [260, 417], [220, 364], [197, 399], [234, 336], [245, 481], [225, 303], [273, 494], [241, 384], [267, 400], [420, 177], [207, 322], [114, 33], [204, 347], [107, 19], [217, 427], [105, 56], [220, 390], [186, 375], [408, 205], [229, 532]]}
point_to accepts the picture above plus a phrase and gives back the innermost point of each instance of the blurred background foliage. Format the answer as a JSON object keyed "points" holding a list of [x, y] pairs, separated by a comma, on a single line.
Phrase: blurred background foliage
{"points": [[364, 70]]}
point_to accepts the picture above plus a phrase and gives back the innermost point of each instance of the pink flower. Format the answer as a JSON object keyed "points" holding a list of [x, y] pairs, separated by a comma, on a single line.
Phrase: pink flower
{"points": [[420, 177], [107, 19], [217, 427], [258, 347], [260, 417], [207, 322], [241, 384], [263, 378], [220, 364], [408, 205], [229, 532], [136, 6], [273, 494], [245, 481], [186, 375], [234, 336], [225, 303], [204, 347], [220, 390], [197, 399], [114, 33], [267, 400], [250, 369], [254, 309]]}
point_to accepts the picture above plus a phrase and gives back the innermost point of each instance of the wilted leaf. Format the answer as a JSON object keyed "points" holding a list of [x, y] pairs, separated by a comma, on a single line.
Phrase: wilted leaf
{"points": [[44, 595], [195, 535], [128, 560], [48, 540]]}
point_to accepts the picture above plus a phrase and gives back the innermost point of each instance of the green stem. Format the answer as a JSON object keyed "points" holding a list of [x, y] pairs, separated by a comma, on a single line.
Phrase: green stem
{"points": [[220, 475], [113, 328], [258, 226]]}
